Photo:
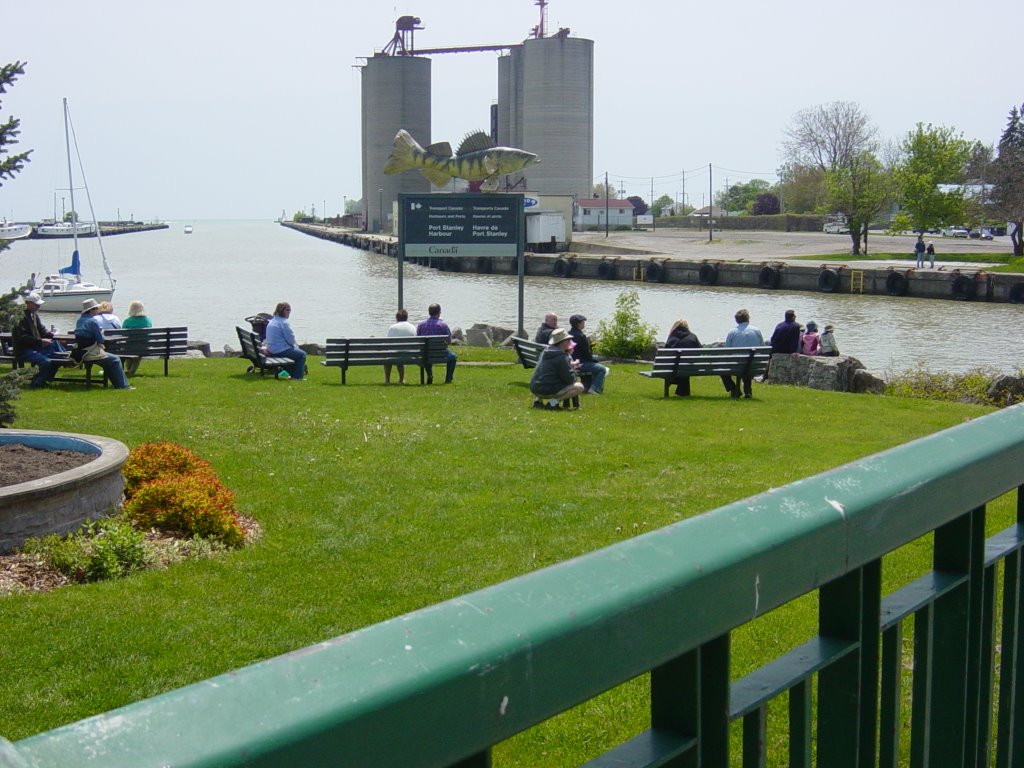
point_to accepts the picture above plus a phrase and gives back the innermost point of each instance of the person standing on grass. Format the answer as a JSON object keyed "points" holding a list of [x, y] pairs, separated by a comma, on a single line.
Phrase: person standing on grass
{"points": [[435, 326], [281, 342], [681, 337], [401, 328], [554, 378], [745, 335], [786, 337]]}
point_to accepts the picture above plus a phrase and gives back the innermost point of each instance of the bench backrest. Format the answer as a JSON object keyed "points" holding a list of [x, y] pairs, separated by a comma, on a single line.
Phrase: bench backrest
{"points": [[710, 361], [250, 345], [149, 342], [529, 352], [412, 350]]}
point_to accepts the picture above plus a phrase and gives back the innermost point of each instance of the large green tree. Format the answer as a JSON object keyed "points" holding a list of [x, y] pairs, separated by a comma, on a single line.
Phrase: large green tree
{"points": [[1008, 178], [802, 188], [840, 142], [742, 195], [933, 155]]}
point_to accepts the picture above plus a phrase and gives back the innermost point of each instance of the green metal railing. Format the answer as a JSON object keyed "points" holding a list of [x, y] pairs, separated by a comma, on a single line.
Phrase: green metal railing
{"points": [[440, 686]]}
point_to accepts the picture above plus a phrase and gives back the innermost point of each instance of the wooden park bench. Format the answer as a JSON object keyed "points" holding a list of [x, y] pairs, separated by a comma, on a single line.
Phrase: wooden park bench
{"points": [[708, 361], [64, 372], [252, 350], [394, 350], [137, 343]]}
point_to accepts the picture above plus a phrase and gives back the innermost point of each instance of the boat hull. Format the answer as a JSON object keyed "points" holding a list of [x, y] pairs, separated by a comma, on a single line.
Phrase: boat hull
{"points": [[71, 301], [15, 231], [65, 230]]}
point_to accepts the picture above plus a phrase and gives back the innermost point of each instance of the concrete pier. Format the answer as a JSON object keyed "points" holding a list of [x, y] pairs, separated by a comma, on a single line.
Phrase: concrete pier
{"points": [[960, 282]]}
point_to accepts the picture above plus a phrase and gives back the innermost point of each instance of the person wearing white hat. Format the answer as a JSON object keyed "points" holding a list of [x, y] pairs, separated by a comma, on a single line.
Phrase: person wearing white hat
{"points": [[35, 345], [89, 345], [554, 379]]}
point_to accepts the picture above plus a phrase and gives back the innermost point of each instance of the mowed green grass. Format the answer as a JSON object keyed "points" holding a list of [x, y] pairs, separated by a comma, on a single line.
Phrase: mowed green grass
{"points": [[376, 501]]}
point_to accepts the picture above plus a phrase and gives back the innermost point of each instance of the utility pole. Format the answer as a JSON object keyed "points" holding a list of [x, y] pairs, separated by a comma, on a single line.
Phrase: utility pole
{"points": [[606, 204], [654, 225], [711, 206]]}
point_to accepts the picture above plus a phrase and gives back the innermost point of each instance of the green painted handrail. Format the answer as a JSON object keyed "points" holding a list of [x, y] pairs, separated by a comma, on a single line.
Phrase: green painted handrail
{"points": [[441, 685]]}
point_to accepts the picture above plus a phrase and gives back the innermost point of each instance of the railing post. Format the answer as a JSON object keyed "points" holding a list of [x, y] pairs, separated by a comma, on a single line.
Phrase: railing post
{"points": [[675, 700], [840, 615], [713, 746], [1010, 727], [870, 628], [959, 544]]}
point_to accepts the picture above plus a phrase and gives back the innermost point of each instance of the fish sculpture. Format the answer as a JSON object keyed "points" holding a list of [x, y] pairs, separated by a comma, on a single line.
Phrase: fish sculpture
{"points": [[476, 160]]}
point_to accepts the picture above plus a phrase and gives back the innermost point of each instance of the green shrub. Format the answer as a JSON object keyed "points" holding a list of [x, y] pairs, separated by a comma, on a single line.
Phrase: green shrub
{"points": [[197, 505], [973, 386], [103, 549], [151, 461], [626, 336]]}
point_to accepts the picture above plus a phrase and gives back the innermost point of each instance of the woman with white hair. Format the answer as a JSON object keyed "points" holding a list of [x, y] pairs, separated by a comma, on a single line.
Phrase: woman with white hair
{"points": [[137, 318]]}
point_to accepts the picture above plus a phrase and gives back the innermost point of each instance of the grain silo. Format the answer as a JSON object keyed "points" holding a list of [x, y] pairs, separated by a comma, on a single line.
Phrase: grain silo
{"points": [[546, 106], [396, 94]]}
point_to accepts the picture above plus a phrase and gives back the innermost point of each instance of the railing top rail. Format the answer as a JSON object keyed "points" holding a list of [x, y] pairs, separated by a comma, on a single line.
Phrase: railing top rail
{"points": [[489, 664]]}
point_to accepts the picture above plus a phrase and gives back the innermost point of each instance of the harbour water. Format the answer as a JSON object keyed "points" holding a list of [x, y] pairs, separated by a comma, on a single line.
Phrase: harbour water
{"points": [[225, 271]]}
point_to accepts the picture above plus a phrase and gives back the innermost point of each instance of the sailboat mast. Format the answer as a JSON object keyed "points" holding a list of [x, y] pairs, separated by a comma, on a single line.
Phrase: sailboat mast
{"points": [[71, 181]]}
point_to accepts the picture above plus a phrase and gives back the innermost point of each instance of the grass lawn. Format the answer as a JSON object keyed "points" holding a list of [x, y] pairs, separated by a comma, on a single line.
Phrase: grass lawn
{"points": [[377, 500]]}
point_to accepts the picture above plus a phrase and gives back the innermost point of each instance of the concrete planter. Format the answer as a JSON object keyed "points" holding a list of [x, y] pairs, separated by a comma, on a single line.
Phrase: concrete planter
{"points": [[61, 503]]}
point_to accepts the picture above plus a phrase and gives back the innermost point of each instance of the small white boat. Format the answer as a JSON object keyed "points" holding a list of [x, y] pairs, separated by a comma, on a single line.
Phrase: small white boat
{"points": [[188, 230], [66, 229], [14, 231], [66, 290], [66, 294]]}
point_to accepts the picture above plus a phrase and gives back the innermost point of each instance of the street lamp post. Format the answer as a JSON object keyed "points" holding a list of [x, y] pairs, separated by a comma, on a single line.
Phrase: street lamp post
{"points": [[380, 200]]}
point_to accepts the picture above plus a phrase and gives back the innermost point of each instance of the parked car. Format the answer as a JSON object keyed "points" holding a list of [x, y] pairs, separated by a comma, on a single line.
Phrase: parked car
{"points": [[836, 225], [981, 234], [954, 232]]}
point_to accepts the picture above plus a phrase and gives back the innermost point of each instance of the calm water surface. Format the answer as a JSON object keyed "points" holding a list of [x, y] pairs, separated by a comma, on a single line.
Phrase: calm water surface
{"points": [[226, 271]]}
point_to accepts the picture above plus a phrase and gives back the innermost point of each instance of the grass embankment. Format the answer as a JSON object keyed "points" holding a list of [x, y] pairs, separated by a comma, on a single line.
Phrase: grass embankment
{"points": [[1005, 261], [380, 500]]}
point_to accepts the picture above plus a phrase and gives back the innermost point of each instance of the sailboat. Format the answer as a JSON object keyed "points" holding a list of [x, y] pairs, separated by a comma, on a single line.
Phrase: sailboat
{"points": [[66, 290]]}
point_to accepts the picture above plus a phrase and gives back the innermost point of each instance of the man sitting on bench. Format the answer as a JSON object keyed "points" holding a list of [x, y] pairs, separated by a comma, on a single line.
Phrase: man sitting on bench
{"points": [[554, 379], [35, 345]]}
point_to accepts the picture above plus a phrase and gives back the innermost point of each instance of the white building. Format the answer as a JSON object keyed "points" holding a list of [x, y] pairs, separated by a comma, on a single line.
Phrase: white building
{"points": [[595, 211]]}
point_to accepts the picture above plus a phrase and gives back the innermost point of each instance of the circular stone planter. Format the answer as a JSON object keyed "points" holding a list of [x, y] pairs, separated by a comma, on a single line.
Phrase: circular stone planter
{"points": [[62, 502]]}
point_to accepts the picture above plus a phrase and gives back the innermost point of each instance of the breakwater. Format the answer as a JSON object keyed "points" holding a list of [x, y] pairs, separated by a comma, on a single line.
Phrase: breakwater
{"points": [[107, 229], [633, 265]]}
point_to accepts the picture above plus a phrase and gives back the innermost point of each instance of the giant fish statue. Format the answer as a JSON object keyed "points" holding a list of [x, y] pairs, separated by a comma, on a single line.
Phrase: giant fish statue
{"points": [[477, 160]]}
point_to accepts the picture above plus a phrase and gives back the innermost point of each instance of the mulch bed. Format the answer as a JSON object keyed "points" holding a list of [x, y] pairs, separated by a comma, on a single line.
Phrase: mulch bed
{"points": [[20, 463]]}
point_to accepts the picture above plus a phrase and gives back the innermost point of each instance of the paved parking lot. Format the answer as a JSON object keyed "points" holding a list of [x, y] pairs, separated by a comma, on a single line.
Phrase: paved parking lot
{"points": [[732, 245]]}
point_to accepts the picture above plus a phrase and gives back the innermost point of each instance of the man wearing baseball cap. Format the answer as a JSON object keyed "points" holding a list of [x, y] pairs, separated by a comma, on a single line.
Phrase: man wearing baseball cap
{"points": [[35, 345]]}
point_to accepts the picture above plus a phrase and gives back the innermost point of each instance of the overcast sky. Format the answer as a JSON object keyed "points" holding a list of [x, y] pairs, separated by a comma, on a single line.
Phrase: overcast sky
{"points": [[205, 110]]}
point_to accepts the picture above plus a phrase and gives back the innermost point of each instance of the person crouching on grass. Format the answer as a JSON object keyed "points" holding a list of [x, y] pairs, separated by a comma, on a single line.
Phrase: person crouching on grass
{"points": [[554, 378]]}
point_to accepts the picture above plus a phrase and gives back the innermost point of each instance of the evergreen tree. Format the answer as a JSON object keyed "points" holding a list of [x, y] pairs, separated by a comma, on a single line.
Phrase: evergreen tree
{"points": [[10, 165], [1008, 181]]}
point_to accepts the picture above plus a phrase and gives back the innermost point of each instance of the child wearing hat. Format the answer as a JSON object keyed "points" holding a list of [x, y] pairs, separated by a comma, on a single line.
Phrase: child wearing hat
{"points": [[827, 346], [809, 340]]}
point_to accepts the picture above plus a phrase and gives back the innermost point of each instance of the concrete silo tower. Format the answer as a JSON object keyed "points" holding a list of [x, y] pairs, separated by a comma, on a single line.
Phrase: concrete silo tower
{"points": [[396, 94], [546, 106]]}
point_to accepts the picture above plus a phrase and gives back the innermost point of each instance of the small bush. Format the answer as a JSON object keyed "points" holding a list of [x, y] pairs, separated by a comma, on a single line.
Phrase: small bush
{"points": [[974, 386], [626, 336], [104, 549], [197, 505], [151, 461]]}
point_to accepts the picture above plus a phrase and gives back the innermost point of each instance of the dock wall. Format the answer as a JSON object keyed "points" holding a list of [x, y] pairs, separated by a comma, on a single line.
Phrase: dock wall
{"points": [[768, 275]]}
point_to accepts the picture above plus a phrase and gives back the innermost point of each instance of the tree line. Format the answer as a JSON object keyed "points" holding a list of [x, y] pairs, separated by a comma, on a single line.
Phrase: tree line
{"points": [[835, 163]]}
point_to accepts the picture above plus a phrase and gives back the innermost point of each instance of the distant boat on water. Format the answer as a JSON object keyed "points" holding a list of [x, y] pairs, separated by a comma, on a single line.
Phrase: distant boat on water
{"points": [[188, 229], [14, 231], [66, 229]]}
